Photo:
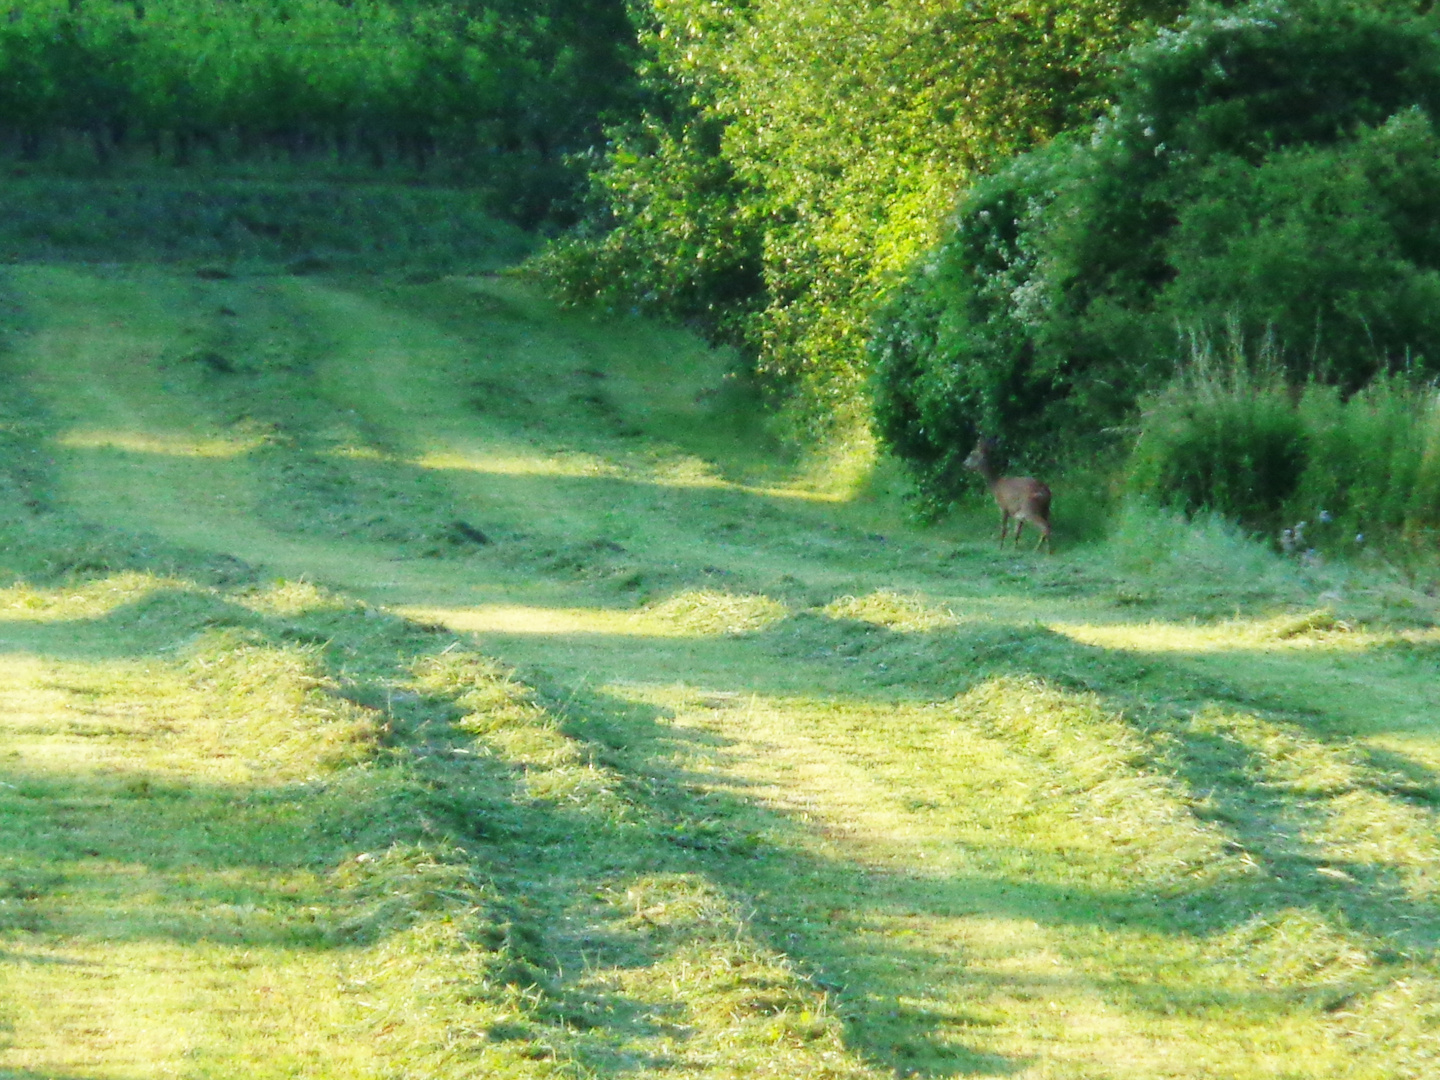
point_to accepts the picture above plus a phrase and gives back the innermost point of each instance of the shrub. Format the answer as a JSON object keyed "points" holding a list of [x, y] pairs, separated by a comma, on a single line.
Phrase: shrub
{"points": [[1233, 438], [1224, 437], [1271, 172], [670, 233], [1333, 250]]}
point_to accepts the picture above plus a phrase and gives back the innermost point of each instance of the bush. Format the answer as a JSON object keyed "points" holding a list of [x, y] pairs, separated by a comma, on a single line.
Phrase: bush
{"points": [[669, 234], [1224, 437], [1232, 438], [1271, 172]]}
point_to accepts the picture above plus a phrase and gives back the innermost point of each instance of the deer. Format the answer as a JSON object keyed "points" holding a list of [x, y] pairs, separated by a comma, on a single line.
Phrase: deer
{"points": [[1021, 497]]}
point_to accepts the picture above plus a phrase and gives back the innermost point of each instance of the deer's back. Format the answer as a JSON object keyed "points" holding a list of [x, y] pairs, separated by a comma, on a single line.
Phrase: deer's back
{"points": [[1022, 495]]}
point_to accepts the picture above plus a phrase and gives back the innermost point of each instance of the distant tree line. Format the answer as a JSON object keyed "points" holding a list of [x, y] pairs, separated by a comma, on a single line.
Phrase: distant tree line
{"points": [[499, 93]]}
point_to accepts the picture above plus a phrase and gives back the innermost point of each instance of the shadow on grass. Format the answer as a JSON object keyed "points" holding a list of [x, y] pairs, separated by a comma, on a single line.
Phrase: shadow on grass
{"points": [[242, 863], [1273, 828], [253, 865]]}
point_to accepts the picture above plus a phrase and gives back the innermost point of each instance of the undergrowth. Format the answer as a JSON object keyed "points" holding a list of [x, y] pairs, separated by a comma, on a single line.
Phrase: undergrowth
{"points": [[1325, 474]]}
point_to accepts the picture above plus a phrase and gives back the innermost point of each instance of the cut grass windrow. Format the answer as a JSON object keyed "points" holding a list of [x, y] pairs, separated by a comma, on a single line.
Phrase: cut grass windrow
{"points": [[409, 679]]}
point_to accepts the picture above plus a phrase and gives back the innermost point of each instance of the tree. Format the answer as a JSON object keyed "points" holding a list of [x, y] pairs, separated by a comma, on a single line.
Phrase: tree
{"points": [[1269, 171], [796, 155]]}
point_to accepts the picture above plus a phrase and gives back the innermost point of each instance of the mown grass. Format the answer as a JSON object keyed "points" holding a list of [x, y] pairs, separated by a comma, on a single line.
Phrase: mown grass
{"points": [[407, 678], [223, 225]]}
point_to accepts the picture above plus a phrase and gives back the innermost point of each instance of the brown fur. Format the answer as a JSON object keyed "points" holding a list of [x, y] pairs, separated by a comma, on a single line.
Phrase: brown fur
{"points": [[1020, 497]]}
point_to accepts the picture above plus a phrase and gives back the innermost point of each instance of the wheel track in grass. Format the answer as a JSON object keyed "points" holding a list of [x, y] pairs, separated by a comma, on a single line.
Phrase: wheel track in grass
{"points": [[1065, 962]]}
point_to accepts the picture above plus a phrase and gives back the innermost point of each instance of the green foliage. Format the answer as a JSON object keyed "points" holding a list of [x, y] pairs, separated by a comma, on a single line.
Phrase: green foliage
{"points": [[1238, 441], [1223, 437], [1336, 249], [798, 154], [497, 91], [1273, 169], [676, 239], [1374, 464]]}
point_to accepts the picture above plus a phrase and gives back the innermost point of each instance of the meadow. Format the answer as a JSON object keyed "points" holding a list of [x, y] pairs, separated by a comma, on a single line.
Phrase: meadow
{"points": [[402, 676]]}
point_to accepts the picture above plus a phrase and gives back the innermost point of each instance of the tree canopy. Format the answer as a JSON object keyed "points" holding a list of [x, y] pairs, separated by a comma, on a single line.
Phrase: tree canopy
{"points": [[794, 156], [1269, 172]]}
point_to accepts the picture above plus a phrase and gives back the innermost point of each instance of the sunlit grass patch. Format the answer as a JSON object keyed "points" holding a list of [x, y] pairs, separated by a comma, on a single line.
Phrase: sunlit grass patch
{"points": [[275, 707], [894, 611], [176, 683], [1035, 839], [292, 598], [722, 1000], [1044, 782], [26, 602], [1397, 1029], [1097, 772], [361, 453], [233, 709], [1284, 755], [166, 919], [685, 473], [694, 613], [1359, 815], [1370, 829], [510, 722], [169, 444], [1014, 776], [221, 949], [531, 619], [203, 835], [695, 473], [1293, 947], [706, 612], [118, 1009], [1318, 630], [557, 465]]}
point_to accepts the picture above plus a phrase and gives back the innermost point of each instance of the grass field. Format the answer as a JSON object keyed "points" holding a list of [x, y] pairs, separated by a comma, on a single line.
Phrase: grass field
{"points": [[400, 677]]}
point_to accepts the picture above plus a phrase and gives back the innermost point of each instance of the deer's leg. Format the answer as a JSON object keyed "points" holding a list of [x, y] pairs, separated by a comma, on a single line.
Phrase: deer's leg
{"points": [[1004, 526], [1019, 528]]}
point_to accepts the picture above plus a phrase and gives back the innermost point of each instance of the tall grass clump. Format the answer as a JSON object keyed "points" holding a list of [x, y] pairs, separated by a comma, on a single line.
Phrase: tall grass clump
{"points": [[1374, 462], [1324, 471], [1224, 436], [1203, 550]]}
